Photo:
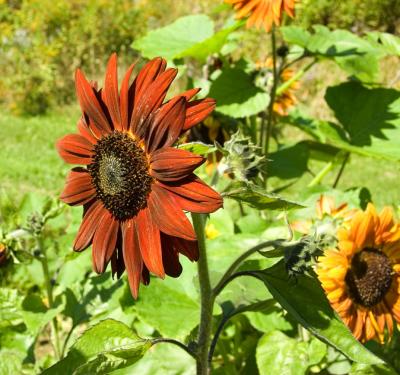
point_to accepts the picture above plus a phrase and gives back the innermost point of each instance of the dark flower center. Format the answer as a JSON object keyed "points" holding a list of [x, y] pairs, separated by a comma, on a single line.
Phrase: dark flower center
{"points": [[369, 277], [120, 173]]}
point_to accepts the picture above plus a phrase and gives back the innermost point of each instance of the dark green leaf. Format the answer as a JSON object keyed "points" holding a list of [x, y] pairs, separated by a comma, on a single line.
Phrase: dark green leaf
{"points": [[107, 346], [307, 303], [236, 94], [256, 197], [289, 162]]}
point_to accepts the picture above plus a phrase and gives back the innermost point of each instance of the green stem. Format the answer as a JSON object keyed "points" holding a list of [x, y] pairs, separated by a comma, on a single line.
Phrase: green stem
{"points": [[273, 93], [206, 297], [345, 160], [49, 289], [174, 342], [318, 178]]}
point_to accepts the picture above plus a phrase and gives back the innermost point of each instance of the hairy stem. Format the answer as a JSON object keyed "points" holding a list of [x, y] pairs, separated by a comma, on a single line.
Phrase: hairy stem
{"points": [[206, 297], [49, 289]]}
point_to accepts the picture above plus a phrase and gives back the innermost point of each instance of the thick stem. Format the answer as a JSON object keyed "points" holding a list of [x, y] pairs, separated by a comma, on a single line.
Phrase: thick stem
{"points": [[206, 297], [49, 289]]}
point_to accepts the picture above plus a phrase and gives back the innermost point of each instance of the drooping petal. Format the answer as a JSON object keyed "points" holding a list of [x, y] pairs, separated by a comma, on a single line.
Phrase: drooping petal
{"points": [[194, 195], [88, 226], [149, 242], [170, 257], [167, 214], [111, 97], [188, 248], [85, 131], [124, 99], [78, 189], [150, 101], [172, 164], [197, 111], [117, 261], [75, 149], [104, 241], [132, 258], [166, 125], [90, 105]]}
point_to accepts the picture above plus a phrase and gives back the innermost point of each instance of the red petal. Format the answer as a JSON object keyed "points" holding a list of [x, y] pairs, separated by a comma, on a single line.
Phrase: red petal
{"points": [[111, 97], [146, 76], [167, 124], [170, 257], [194, 195], [75, 149], [124, 98], [188, 248], [150, 101], [89, 224], [78, 189], [90, 104], [149, 242], [189, 94], [85, 131], [167, 214], [132, 258], [117, 262], [171, 164], [104, 241], [197, 111]]}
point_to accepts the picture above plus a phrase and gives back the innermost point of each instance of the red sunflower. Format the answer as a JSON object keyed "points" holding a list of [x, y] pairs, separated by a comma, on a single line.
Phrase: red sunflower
{"points": [[135, 185]]}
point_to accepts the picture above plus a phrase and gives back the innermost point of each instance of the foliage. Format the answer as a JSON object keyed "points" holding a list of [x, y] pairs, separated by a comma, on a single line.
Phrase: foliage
{"points": [[269, 312]]}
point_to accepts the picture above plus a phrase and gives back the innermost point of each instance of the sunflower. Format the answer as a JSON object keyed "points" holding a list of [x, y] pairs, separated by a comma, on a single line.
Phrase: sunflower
{"points": [[262, 13], [134, 186], [362, 276]]}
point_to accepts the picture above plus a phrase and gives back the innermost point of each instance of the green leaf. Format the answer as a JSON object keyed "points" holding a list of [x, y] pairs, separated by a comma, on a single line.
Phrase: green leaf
{"points": [[236, 94], [280, 354], [289, 161], [295, 35], [36, 314], [268, 321], [209, 46], [256, 197], [10, 313], [173, 40], [370, 116], [360, 369], [107, 346], [306, 302], [389, 43], [198, 148], [162, 306]]}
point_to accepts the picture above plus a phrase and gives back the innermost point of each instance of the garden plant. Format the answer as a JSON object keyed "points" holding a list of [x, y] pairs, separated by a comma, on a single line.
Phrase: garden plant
{"points": [[203, 189]]}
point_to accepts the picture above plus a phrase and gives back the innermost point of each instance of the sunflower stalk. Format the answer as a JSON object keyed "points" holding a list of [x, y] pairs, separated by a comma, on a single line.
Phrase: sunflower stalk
{"points": [[206, 297]]}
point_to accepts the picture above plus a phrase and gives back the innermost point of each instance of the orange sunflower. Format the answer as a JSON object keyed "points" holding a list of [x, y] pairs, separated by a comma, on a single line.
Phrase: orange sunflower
{"points": [[262, 13], [362, 276], [135, 185]]}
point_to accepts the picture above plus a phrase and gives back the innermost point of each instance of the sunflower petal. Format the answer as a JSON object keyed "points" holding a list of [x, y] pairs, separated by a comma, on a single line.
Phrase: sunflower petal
{"points": [[78, 189], [111, 97], [197, 111], [171, 164], [75, 149], [132, 258], [149, 242], [124, 99], [167, 215]]}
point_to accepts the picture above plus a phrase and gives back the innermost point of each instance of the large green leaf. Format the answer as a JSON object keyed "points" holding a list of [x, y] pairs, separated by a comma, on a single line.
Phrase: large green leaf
{"points": [[162, 305], [371, 118], [280, 354], [107, 346], [191, 36], [236, 94], [256, 197], [356, 55], [10, 314], [306, 302]]}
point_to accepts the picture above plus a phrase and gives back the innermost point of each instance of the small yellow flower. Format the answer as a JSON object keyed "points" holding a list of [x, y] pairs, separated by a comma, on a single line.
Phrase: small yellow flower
{"points": [[211, 231]]}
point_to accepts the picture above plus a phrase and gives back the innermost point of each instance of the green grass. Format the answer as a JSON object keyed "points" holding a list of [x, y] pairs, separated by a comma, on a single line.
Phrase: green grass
{"points": [[29, 161]]}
